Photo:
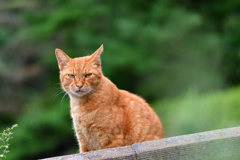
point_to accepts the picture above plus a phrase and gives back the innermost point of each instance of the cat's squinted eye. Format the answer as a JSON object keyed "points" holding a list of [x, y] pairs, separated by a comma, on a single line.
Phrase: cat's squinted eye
{"points": [[88, 75], [71, 76]]}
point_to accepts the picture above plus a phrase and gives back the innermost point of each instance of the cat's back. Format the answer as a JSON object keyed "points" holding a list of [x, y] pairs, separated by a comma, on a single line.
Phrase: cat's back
{"points": [[134, 102], [142, 122]]}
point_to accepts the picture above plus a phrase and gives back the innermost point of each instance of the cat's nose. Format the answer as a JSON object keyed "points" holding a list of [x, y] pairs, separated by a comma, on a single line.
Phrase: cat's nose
{"points": [[79, 86]]}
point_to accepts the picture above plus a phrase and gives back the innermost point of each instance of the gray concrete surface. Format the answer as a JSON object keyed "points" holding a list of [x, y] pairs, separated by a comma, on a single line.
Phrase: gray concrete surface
{"points": [[212, 145]]}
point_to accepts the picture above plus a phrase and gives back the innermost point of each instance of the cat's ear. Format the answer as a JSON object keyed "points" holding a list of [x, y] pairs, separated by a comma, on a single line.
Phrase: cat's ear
{"points": [[95, 57], [62, 58]]}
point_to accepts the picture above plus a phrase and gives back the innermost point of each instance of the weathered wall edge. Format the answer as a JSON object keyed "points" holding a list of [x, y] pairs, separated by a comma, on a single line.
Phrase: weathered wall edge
{"points": [[179, 147]]}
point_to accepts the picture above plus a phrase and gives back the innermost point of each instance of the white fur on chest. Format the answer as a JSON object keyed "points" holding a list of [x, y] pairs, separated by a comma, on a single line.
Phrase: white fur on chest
{"points": [[74, 109]]}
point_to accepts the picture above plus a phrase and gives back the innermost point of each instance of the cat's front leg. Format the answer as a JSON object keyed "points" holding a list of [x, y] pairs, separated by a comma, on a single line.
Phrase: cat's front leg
{"points": [[83, 149], [82, 144], [81, 141]]}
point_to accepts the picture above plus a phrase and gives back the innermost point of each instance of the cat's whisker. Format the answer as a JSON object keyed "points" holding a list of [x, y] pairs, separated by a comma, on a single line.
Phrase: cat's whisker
{"points": [[58, 89], [56, 93], [54, 96], [64, 96]]}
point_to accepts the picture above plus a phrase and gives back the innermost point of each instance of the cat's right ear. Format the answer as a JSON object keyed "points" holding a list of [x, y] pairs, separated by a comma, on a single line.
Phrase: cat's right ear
{"points": [[95, 57], [62, 58]]}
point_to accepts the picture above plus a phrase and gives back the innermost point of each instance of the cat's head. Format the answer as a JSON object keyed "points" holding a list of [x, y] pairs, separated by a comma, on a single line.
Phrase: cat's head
{"points": [[80, 76]]}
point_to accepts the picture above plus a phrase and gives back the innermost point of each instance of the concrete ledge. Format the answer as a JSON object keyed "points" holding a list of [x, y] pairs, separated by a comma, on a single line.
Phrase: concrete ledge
{"points": [[219, 144], [119, 153]]}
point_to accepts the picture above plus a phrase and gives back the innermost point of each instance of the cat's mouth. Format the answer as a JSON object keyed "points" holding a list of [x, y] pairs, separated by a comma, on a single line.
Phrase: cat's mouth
{"points": [[80, 91]]}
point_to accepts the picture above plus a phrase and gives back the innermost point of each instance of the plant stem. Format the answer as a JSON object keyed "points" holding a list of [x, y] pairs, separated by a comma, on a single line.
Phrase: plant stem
{"points": [[6, 145]]}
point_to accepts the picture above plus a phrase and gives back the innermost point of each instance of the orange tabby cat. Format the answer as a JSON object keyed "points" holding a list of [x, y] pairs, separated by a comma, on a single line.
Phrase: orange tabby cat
{"points": [[104, 116]]}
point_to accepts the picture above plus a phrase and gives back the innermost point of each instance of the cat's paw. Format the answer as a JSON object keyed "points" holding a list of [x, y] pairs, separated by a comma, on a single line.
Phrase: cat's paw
{"points": [[83, 149]]}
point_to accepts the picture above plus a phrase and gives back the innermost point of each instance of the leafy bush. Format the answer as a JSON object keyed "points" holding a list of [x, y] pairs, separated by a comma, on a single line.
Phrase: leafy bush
{"points": [[5, 136], [46, 129]]}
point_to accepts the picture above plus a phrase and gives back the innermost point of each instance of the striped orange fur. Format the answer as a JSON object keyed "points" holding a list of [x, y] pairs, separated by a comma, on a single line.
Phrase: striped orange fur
{"points": [[104, 116]]}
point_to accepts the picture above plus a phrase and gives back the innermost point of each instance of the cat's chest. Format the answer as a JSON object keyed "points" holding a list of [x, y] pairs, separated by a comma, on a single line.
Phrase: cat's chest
{"points": [[82, 119]]}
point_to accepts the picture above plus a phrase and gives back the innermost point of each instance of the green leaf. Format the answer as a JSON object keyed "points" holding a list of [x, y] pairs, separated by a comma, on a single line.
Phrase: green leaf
{"points": [[15, 125]]}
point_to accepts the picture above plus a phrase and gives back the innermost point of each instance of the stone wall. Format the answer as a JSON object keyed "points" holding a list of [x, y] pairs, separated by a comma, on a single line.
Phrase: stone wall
{"points": [[213, 145]]}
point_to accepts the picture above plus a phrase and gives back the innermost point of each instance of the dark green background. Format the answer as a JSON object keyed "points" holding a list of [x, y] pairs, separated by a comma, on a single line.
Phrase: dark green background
{"points": [[183, 57]]}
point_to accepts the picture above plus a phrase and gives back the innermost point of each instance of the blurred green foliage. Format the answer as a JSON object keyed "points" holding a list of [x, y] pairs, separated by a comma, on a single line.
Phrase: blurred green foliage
{"points": [[158, 49], [194, 112]]}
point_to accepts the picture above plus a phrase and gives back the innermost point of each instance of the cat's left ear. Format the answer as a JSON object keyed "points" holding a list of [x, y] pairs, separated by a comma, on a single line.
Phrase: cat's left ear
{"points": [[95, 57], [62, 58]]}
